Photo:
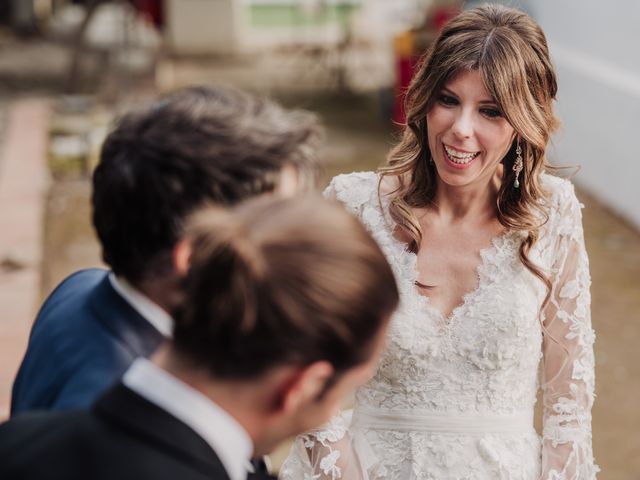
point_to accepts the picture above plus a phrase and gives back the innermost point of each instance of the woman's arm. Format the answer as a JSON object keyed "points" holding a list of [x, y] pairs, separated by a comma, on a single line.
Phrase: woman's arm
{"points": [[568, 370], [328, 453]]}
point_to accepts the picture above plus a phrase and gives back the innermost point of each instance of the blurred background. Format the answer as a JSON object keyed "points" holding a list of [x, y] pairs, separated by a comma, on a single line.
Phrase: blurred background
{"points": [[67, 67]]}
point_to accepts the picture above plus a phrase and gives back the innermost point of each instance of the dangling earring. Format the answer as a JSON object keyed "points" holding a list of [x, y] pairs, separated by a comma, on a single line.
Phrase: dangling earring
{"points": [[517, 165]]}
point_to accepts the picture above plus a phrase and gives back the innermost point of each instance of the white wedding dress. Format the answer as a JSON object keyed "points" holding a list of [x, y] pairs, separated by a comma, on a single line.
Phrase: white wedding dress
{"points": [[453, 398]]}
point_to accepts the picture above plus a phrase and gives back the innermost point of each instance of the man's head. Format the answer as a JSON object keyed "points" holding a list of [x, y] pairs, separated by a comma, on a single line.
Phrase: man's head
{"points": [[292, 295], [195, 146]]}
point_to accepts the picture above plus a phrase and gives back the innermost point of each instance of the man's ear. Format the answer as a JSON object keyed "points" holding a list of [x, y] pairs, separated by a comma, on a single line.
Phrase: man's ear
{"points": [[305, 386], [289, 184], [182, 257]]}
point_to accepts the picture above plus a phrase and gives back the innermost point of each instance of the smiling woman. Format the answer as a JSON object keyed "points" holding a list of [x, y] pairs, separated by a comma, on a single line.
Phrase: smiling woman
{"points": [[489, 255]]}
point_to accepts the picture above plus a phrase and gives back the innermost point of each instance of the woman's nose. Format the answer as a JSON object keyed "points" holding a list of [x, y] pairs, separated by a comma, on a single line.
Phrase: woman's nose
{"points": [[463, 125]]}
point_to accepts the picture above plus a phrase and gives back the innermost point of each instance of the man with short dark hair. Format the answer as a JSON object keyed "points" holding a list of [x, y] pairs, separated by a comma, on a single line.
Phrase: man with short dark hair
{"points": [[198, 145], [286, 305]]}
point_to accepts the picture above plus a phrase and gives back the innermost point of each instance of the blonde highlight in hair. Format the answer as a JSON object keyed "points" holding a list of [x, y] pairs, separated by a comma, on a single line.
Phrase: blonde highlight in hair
{"points": [[509, 51]]}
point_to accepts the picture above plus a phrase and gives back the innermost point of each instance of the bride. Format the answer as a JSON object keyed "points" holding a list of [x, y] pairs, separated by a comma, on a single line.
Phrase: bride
{"points": [[489, 254]]}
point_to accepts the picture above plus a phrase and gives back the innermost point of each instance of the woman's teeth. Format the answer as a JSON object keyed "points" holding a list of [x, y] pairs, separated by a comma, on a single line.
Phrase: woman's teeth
{"points": [[461, 158]]}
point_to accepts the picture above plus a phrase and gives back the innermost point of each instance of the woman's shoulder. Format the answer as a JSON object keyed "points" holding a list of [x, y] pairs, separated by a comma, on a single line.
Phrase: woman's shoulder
{"points": [[561, 192], [353, 189], [565, 210]]}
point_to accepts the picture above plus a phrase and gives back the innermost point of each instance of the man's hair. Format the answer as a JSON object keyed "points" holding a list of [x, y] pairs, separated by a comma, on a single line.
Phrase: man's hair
{"points": [[200, 144], [281, 282]]}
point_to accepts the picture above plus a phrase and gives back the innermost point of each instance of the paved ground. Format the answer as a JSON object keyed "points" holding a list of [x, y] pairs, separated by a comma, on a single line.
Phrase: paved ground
{"points": [[22, 193], [356, 140]]}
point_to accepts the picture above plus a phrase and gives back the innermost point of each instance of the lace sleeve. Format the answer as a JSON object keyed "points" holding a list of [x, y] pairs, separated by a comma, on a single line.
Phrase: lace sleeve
{"points": [[568, 370], [329, 453]]}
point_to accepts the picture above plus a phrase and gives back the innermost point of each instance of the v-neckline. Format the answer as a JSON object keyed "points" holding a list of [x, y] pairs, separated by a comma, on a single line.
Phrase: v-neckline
{"points": [[448, 319], [445, 321]]}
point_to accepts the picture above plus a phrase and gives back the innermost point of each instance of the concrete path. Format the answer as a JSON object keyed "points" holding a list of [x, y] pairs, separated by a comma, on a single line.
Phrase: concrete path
{"points": [[23, 182]]}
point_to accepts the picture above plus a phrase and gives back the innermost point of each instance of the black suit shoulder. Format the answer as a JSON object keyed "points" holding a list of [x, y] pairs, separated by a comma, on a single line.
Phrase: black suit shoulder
{"points": [[105, 443]]}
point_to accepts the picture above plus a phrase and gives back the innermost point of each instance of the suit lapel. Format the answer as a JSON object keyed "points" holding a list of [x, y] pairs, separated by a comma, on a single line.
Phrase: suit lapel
{"points": [[123, 321], [141, 418]]}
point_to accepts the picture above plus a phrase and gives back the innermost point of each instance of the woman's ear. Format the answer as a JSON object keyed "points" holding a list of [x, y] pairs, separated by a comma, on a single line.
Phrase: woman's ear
{"points": [[182, 257]]}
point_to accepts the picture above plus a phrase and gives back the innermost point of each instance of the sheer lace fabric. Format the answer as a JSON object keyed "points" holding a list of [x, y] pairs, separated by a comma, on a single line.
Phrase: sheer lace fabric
{"points": [[452, 398]]}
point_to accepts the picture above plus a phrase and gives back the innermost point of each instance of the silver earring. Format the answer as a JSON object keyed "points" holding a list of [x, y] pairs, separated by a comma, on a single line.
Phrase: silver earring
{"points": [[517, 165]]}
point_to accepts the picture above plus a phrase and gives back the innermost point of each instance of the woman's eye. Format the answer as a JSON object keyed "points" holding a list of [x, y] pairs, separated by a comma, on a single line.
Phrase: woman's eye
{"points": [[447, 100], [491, 112]]}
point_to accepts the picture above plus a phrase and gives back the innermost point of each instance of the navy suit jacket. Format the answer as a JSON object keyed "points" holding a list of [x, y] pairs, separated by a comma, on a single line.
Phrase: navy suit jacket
{"points": [[82, 341]]}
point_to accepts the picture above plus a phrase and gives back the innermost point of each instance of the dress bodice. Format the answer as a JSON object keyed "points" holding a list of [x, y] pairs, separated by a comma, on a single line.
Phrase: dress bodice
{"points": [[483, 357]]}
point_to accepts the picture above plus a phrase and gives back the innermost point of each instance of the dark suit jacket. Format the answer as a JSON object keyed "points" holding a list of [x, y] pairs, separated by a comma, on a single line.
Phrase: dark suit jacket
{"points": [[83, 339], [122, 437]]}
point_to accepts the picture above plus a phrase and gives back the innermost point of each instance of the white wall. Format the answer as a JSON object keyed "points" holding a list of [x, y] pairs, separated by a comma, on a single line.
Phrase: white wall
{"points": [[205, 26]]}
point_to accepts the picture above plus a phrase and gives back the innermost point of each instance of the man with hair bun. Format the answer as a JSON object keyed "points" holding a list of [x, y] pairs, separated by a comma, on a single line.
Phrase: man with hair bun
{"points": [[160, 162], [285, 309]]}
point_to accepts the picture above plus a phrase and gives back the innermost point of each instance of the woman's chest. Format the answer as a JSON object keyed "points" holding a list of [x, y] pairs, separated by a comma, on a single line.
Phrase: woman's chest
{"points": [[447, 272]]}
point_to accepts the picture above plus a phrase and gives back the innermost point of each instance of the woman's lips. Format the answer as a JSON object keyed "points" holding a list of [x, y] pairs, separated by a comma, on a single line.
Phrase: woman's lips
{"points": [[458, 158]]}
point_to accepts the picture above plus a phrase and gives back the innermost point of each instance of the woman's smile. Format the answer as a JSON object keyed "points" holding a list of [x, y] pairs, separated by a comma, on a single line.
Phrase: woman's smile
{"points": [[459, 158]]}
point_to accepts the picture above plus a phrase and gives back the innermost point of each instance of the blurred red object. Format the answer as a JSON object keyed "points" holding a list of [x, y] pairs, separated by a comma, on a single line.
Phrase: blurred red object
{"points": [[405, 65], [441, 15], [409, 47], [152, 9]]}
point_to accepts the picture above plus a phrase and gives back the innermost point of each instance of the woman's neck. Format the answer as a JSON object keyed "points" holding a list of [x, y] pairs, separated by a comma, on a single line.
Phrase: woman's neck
{"points": [[475, 201]]}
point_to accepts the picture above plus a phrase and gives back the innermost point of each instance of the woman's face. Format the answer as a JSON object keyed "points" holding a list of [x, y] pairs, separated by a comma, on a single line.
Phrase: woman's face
{"points": [[468, 135]]}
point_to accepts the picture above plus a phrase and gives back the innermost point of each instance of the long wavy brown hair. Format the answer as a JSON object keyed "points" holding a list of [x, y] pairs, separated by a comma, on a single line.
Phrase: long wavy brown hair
{"points": [[510, 52]]}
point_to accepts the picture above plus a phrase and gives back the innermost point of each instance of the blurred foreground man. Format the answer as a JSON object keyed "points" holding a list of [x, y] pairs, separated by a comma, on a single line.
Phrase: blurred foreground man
{"points": [[196, 146], [286, 304]]}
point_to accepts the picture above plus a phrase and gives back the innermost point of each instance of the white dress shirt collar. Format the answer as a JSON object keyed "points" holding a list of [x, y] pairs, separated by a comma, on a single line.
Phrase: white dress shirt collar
{"points": [[221, 431], [149, 310]]}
